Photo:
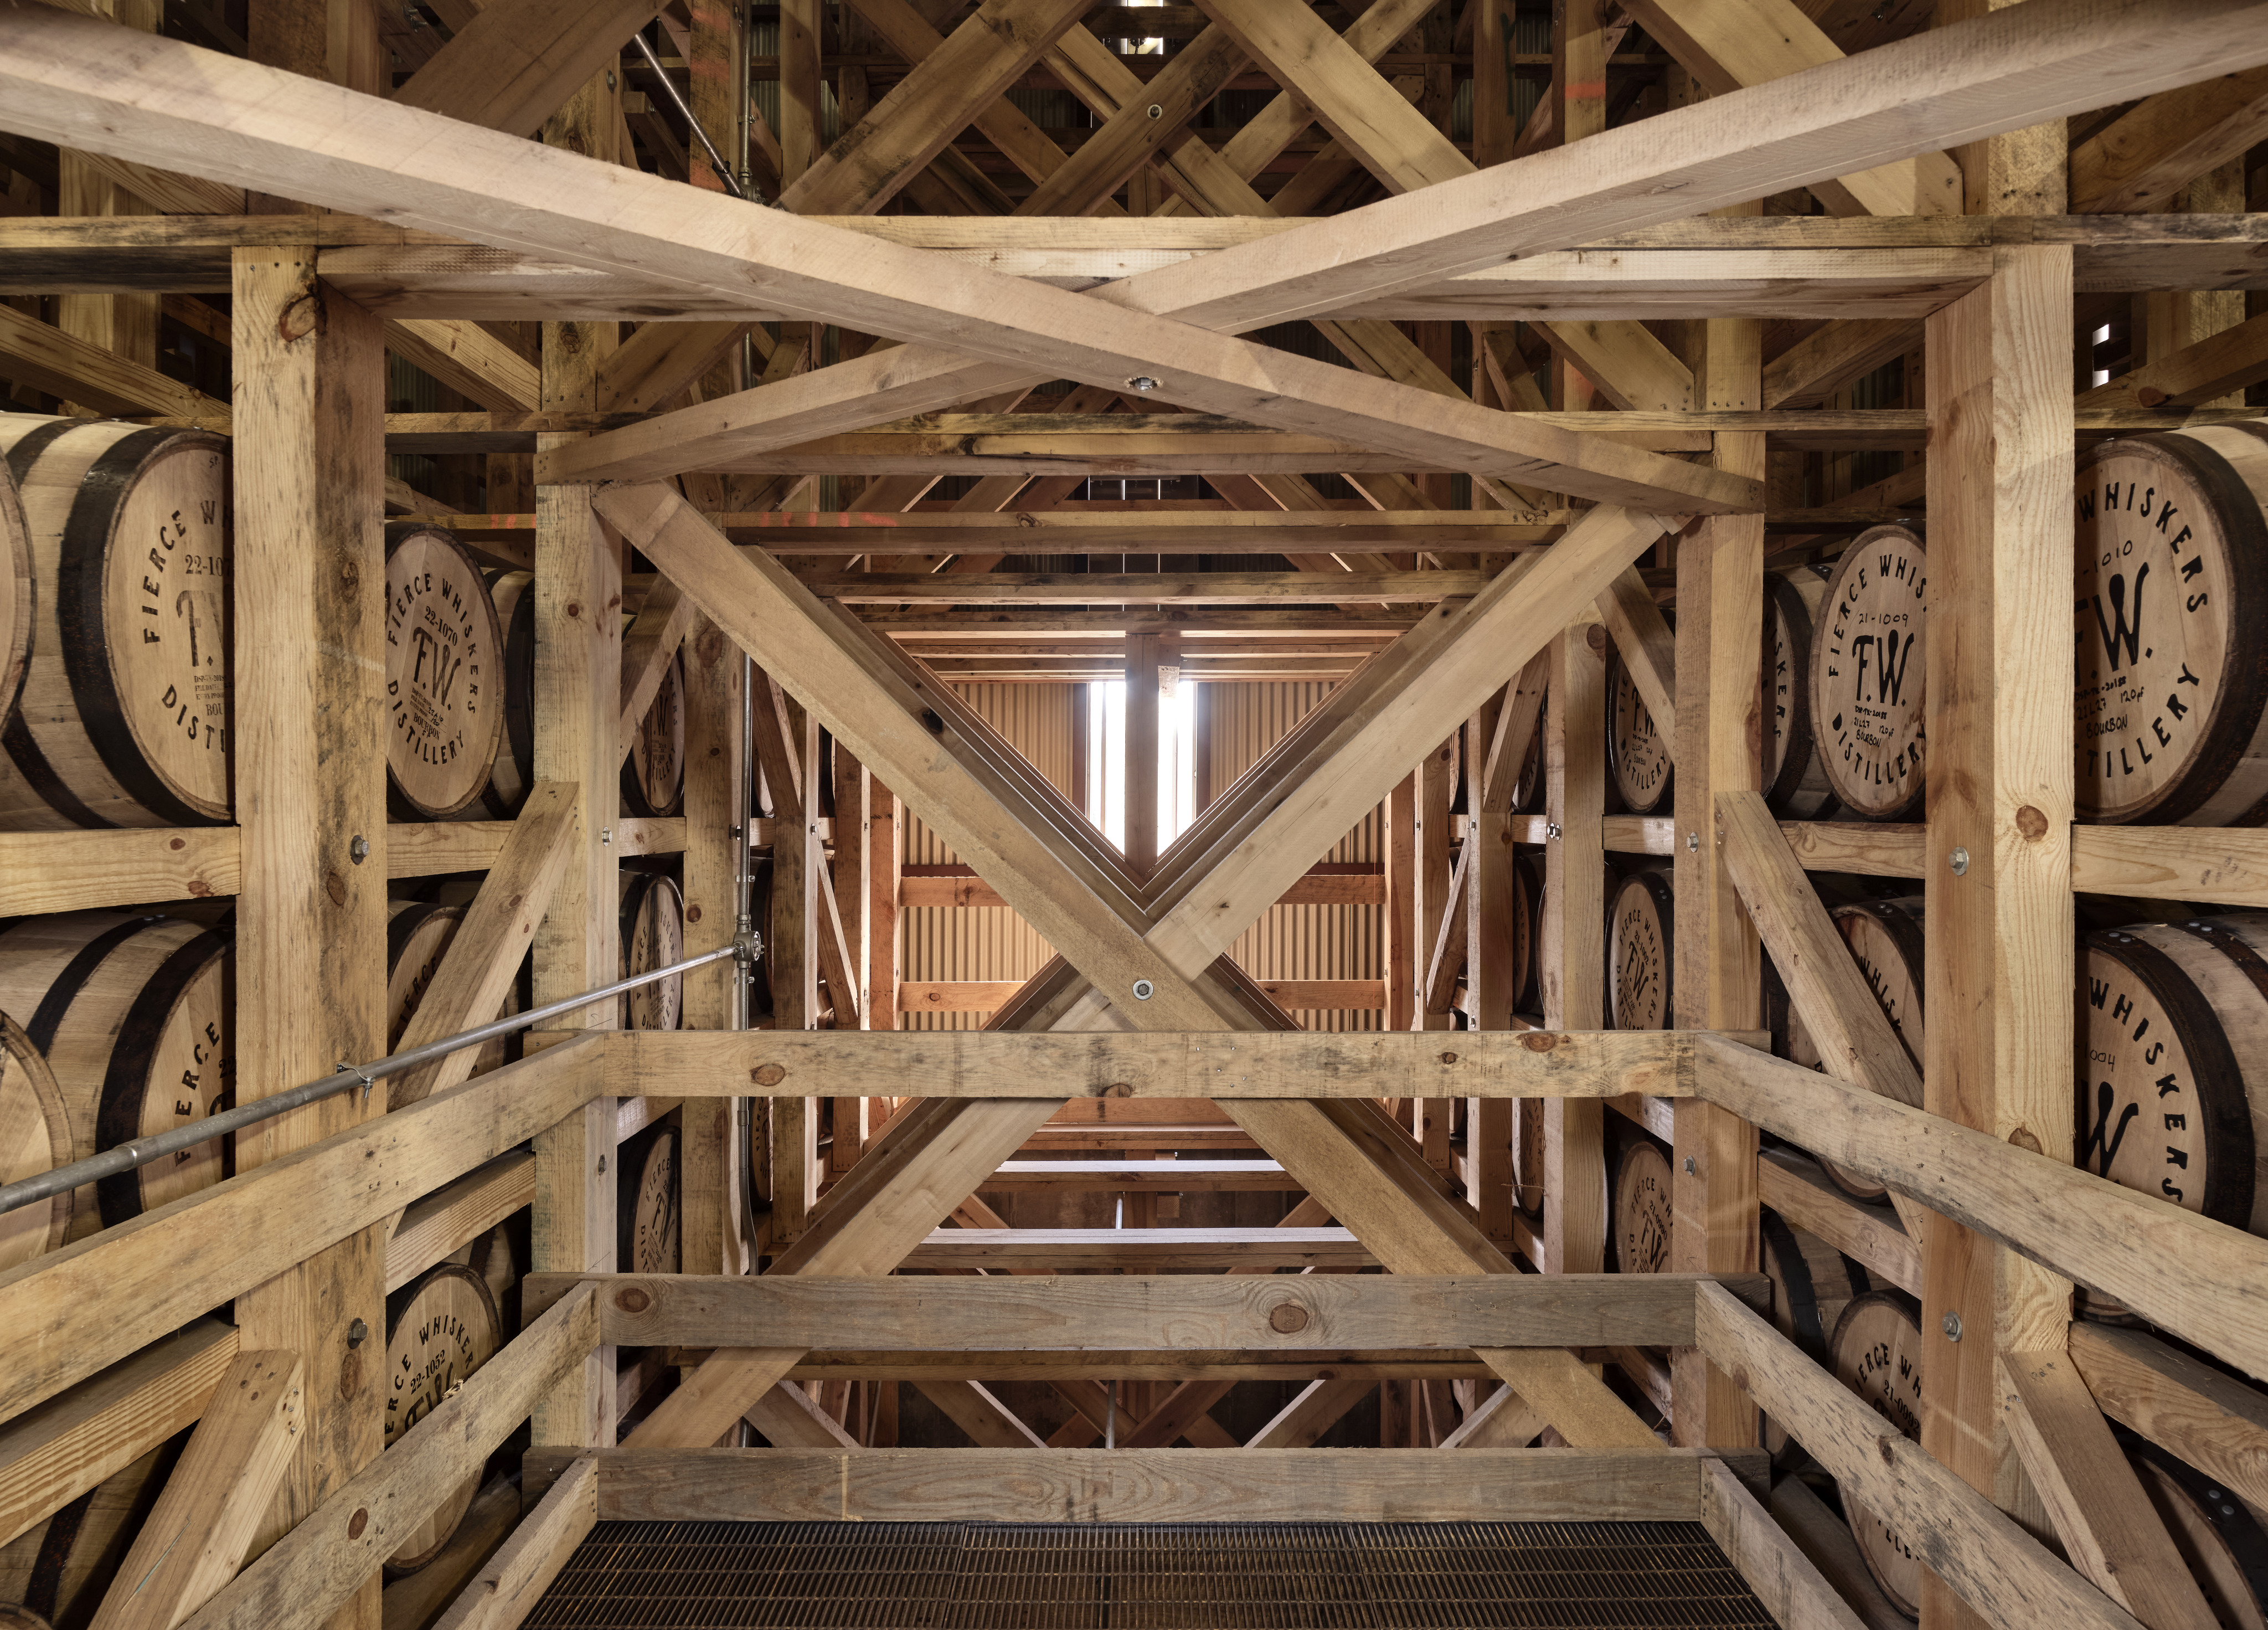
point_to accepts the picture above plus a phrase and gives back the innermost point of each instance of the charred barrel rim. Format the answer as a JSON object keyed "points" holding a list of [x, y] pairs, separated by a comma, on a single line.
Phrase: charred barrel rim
{"points": [[19, 1052], [1784, 602], [1641, 1158], [80, 561], [16, 563], [2221, 1098], [1620, 686], [637, 795], [658, 888], [2232, 1521], [480, 756], [2243, 696], [127, 1082]]}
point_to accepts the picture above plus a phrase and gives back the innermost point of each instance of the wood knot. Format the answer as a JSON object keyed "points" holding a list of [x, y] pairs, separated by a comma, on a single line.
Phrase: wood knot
{"points": [[630, 1299], [1448, 1057], [1595, 637], [1539, 1041], [1119, 1089], [692, 913], [2031, 823], [767, 1074], [1287, 1318], [2149, 396], [178, 843], [1883, 1448], [358, 1522], [2023, 1139], [933, 722], [574, 607], [335, 886]]}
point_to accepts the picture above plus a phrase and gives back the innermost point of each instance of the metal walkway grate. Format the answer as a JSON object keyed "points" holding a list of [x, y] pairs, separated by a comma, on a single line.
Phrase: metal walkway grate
{"points": [[1146, 1576]]}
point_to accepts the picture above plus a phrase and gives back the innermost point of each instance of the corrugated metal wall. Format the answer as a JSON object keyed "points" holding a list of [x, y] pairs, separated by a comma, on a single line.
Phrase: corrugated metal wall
{"points": [[1298, 941], [986, 942]]}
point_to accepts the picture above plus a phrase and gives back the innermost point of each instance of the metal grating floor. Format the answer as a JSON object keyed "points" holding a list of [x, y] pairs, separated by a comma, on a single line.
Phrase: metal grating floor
{"points": [[1146, 1576]]}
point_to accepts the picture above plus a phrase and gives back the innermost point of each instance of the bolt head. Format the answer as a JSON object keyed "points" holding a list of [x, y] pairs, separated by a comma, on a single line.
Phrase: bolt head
{"points": [[1693, 843], [1142, 382], [358, 849], [1156, 111], [1951, 1325], [357, 1333], [1144, 990], [1960, 862], [1689, 1166], [606, 835]]}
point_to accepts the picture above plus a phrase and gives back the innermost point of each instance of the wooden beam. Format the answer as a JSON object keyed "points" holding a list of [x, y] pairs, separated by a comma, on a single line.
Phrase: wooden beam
{"points": [[508, 1585], [989, 1424], [790, 1418], [1067, 1312], [2109, 1529], [1182, 1486], [2189, 1409], [2001, 925], [1183, 1251], [517, 62], [48, 359], [1784, 1579], [54, 1452], [306, 713], [1808, 372], [1792, 1185], [475, 977], [1271, 587], [1648, 649], [313, 1570], [198, 1534], [454, 1216], [2191, 377], [1502, 1421], [1316, 1410], [1117, 1067], [65, 1316], [1996, 1567], [2151, 151], [469, 360], [2079, 1226]]}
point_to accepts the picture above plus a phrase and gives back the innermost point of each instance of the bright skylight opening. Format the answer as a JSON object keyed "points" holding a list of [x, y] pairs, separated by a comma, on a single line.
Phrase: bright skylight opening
{"points": [[1105, 760]]}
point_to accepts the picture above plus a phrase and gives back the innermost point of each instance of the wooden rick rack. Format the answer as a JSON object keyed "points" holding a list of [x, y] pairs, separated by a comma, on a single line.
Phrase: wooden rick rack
{"points": [[1378, 695]]}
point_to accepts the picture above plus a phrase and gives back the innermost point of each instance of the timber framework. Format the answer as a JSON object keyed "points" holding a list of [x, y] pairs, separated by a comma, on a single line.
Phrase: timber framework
{"points": [[752, 757]]}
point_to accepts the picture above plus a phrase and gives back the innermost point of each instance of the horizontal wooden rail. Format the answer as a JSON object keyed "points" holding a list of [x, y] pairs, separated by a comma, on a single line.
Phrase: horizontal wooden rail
{"points": [[1161, 1251], [1997, 1568], [312, 1570], [68, 1314], [1106, 1364], [1287, 1064], [2204, 1280], [990, 996], [1149, 1485], [1054, 1314], [1338, 887], [454, 1216]]}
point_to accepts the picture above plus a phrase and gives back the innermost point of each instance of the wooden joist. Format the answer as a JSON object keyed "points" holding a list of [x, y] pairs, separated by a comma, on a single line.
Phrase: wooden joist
{"points": [[1245, 1065], [1173, 1250], [1134, 1485]]}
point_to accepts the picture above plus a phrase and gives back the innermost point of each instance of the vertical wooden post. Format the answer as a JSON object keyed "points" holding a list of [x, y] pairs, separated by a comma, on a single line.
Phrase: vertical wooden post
{"points": [[715, 100], [787, 741], [1082, 745], [1997, 969], [800, 138], [579, 648], [1489, 971], [1494, 129], [885, 866], [1578, 90], [716, 842], [1720, 703], [1145, 655], [1572, 942], [852, 785], [125, 325], [1404, 963], [1201, 706], [310, 610], [1429, 894]]}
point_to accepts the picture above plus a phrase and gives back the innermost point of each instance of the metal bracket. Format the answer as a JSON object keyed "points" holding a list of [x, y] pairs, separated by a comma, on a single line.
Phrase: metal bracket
{"points": [[367, 1079]]}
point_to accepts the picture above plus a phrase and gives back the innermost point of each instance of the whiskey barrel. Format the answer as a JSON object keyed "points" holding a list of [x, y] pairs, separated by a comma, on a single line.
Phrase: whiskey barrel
{"points": [[653, 936], [1867, 665], [1641, 937], [57, 1571], [16, 593], [2173, 1083], [1638, 1208], [513, 773], [123, 720], [2171, 555], [1637, 755], [444, 665], [647, 1222], [136, 1018], [439, 1330], [1528, 885], [34, 1137], [2217, 1532], [1528, 785], [653, 775], [1877, 1351], [1812, 1282], [1796, 787], [417, 936]]}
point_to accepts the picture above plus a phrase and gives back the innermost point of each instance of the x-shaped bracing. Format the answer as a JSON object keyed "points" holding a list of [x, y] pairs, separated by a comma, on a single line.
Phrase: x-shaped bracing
{"points": [[1017, 833]]}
